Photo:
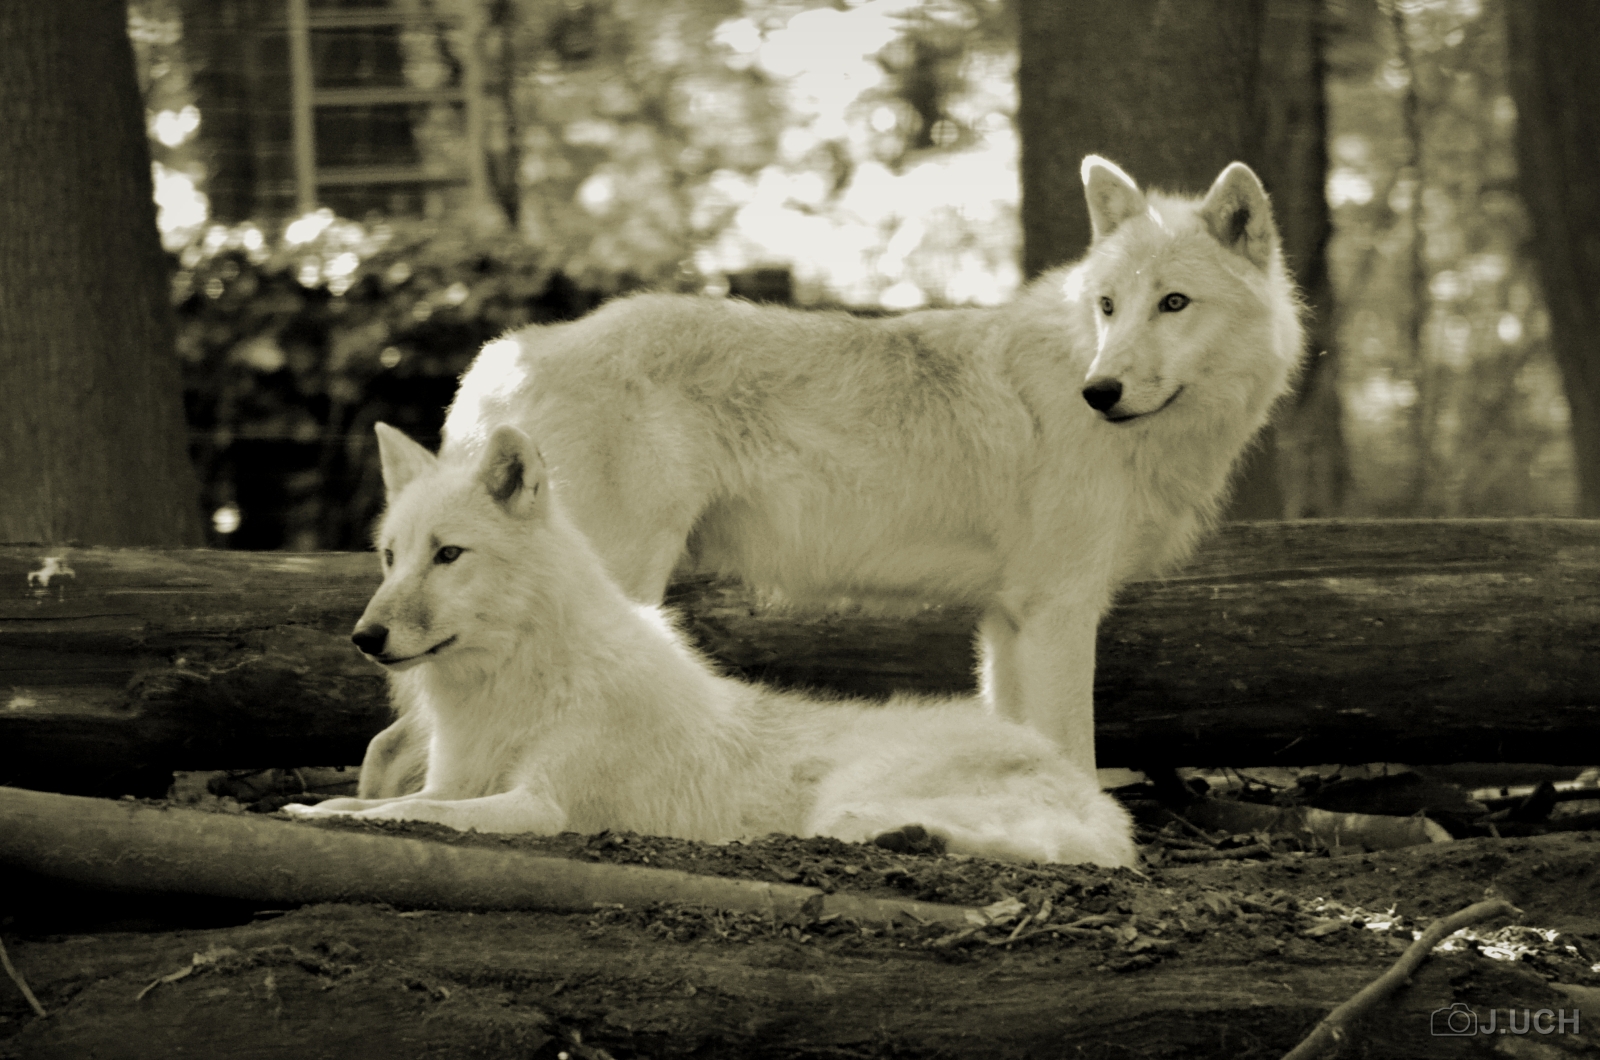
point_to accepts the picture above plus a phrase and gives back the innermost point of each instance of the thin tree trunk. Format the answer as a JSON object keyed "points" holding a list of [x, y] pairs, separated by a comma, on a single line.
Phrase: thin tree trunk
{"points": [[1422, 411], [1555, 81], [1312, 464], [91, 433], [216, 45]]}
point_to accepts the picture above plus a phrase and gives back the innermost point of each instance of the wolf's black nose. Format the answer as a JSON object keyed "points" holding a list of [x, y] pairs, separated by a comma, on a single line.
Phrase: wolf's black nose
{"points": [[1102, 394], [370, 639]]}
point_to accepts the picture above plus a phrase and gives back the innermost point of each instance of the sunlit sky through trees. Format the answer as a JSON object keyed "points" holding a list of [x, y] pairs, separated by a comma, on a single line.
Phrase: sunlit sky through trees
{"points": [[857, 217]]}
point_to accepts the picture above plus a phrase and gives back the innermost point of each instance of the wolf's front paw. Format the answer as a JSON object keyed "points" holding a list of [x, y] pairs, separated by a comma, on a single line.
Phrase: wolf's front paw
{"points": [[325, 808], [388, 812]]}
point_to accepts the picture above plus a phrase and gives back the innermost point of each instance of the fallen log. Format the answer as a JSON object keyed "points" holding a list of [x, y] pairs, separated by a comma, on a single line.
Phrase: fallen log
{"points": [[1238, 977], [118, 666], [1323, 828], [1281, 643], [128, 846]]}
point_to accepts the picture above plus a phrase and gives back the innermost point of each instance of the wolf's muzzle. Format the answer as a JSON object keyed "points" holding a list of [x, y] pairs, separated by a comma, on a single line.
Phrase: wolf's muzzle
{"points": [[370, 639], [1103, 394]]}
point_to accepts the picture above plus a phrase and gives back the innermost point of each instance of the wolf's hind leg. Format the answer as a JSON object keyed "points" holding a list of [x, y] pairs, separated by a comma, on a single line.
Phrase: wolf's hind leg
{"points": [[910, 839], [1039, 821]]}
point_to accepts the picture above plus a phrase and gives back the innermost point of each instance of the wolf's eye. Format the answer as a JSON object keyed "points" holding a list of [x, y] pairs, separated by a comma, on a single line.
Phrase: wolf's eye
{"points": [[1106, 305], [447, 554], [1174, 302], [388, 557]]}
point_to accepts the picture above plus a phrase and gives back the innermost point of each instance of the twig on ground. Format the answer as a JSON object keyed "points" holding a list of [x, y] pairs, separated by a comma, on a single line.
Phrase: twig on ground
{"points": [[1255, 850], [1331, 1030], [1248, 779], [1184, 822], [1173, 842], [22, 984]]}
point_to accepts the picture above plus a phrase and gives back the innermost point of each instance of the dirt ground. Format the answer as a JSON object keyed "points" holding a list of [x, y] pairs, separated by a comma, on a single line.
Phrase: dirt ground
{"points": [[1235, 957]]}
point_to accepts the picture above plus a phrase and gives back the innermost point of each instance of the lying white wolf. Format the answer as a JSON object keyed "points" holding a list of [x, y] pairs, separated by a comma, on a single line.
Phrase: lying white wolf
{"points": [[1026, 459], [553, 702]]}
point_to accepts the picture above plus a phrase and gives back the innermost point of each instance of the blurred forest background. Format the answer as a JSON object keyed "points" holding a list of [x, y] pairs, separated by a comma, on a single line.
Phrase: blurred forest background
{"points": [[357, 194]]}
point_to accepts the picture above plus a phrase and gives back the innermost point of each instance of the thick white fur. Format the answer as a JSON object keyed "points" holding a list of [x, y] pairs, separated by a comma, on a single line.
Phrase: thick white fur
{"points": [[941, 456], [551, 701]]}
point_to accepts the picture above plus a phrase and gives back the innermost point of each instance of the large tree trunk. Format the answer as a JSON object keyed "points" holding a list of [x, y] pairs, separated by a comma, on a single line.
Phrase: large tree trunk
{"points": [[1555, 81], [92, 435], [1164, 90], [1173, 93]]}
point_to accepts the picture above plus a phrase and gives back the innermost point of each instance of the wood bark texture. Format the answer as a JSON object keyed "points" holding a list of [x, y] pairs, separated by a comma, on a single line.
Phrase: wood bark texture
{"points": [[1556, 85], [1167, 91], [1282, 643], [91, 415]]}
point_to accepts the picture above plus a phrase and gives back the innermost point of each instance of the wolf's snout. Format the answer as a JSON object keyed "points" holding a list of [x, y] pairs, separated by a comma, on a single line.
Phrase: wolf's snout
{"points": [[370, 639], [1102, 394]]}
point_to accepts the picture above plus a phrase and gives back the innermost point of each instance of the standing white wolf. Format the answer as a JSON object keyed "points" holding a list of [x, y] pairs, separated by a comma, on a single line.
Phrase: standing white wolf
{"points": [[1026, 459], [551, 701]]}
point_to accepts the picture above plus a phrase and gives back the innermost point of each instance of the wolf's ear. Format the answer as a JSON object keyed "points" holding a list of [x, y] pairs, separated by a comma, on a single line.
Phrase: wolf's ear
{"points": [[402, 459], [1238, 214], [512, 470], [1113, 196]]}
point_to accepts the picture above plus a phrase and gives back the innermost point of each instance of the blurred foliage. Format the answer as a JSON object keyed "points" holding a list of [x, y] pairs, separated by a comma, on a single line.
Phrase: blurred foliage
{"points": [[292, 351], [1454, 402], [867, 148], [156, 31], [895, 179], [610, 120]]}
